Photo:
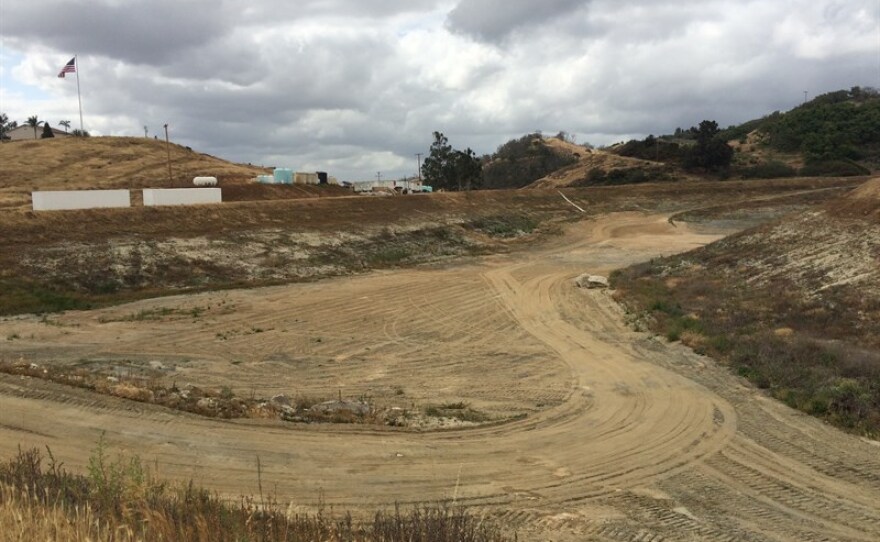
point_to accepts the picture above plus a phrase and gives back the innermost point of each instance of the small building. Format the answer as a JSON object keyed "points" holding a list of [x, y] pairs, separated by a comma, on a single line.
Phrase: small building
{"points": [[25, 132]]}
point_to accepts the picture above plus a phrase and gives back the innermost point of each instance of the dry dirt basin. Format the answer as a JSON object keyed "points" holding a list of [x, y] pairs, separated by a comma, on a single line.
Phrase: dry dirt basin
{"points": [[625, 437]]}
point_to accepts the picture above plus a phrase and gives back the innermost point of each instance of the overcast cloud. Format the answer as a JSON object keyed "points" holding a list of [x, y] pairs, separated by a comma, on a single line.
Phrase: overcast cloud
{"points": [[358, 86]]}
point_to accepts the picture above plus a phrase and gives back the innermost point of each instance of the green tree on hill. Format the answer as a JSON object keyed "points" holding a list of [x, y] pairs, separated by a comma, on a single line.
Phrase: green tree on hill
{"points": [[47, 131], [711, 152], [524, 160], [834, 126], [451, 169]]}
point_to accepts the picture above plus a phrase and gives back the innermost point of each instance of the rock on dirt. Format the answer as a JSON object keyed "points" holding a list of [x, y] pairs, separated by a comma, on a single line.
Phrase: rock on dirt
{"points": [[591, 281], [334, 407], [280, 400]]}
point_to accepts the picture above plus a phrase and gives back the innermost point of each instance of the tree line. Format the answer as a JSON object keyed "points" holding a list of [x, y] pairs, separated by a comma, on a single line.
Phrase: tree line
{"points": [[709, 152], [515, 164], [34, 122]]}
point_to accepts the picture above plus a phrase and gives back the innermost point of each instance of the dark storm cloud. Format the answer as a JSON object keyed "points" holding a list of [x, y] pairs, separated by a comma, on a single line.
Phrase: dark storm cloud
{"points": [[142, 32], [274, 10], [494, 20]]}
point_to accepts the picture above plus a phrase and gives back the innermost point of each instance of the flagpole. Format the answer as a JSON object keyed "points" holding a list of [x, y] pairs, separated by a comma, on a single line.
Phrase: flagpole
{"points": [[79, 95]]}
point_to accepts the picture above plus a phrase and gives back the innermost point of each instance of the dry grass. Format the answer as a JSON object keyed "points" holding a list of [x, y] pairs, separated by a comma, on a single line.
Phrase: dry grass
{"points": [[120, 501]]}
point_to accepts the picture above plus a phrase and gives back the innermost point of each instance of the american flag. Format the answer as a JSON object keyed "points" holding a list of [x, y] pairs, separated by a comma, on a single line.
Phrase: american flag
{"points": [[70, 67]]}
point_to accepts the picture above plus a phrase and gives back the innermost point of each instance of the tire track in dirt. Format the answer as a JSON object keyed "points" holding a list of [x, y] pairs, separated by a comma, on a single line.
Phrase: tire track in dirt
{"points": [[634, 439]]}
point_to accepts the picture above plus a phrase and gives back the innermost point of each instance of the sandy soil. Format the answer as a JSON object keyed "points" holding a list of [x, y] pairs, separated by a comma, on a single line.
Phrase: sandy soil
{"points": [[625, 437]]}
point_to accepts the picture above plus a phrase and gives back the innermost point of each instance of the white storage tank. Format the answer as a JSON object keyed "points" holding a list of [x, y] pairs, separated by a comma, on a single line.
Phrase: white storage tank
{"points": [[283, 175], [205, 181]]}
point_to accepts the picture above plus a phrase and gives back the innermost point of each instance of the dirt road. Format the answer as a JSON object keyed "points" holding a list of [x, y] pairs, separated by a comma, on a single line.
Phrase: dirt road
{"points": [[612, 434]]}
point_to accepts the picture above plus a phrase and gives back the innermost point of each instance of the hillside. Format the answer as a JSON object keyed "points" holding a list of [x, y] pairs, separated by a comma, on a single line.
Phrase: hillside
{"points": [[835, 133], [596, 167], [121, 162], [793, 305], [521, 161]]}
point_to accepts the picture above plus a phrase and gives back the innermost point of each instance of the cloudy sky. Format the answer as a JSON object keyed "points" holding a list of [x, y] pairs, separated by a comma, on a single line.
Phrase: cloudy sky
{"points": [[357, 86]]}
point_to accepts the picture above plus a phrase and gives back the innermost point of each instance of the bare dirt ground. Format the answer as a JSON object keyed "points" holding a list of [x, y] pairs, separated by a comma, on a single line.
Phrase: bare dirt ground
{"points": [[610, 434]]}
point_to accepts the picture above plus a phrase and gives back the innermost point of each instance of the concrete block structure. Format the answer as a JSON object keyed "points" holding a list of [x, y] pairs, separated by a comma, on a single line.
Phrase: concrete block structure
{"points": [[60, 200], [181, 196]]}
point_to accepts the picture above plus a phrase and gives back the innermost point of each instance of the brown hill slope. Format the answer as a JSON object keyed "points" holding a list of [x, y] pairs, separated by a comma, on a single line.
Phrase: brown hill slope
{"points": [[863, 202], [105, 162], [793, 305], [590, 160]]}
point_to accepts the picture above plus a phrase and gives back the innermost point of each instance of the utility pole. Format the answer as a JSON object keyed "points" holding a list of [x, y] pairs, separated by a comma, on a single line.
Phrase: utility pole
{"points": [[805, 96], [168, 152], [378, 177], [145, 131], [419, 159]]}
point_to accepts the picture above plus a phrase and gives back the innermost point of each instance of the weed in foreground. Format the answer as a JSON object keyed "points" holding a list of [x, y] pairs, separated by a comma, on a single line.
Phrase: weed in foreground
{"points": [[120, 501]]}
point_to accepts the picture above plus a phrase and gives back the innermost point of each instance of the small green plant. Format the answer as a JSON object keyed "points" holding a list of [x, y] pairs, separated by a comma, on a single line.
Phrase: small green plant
{"points": [[505, 225], [114, 482]]}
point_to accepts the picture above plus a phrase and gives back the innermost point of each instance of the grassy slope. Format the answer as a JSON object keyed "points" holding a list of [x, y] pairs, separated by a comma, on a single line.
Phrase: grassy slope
{"points": [[794, 306], [104, 162]]}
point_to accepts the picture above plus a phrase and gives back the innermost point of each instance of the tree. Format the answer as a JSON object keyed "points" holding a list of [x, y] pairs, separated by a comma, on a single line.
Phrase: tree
{"points": [[33, 122], [65, 123], [467, 169], [711, 153], [79, 133], [434, 168], [47, 131], [451, 169], [5, 126]]}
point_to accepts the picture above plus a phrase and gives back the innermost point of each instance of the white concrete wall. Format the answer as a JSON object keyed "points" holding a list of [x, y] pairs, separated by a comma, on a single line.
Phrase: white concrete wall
{"points": [[59, 200], [181, 196]]}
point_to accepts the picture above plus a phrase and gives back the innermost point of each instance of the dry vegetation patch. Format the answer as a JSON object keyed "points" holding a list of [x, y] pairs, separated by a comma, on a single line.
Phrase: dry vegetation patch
{"points": [[121, 500], [157, 384], [794, 306]]}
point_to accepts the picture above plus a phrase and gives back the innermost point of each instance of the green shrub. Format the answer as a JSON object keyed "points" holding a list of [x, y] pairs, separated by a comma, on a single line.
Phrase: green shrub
{"points": [[505, 225], [834, 168], [769, 170]]}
